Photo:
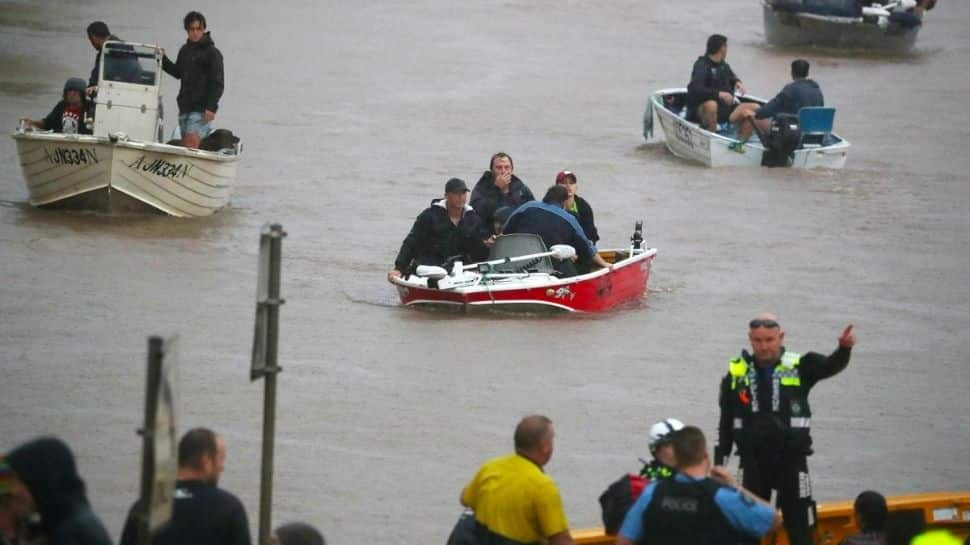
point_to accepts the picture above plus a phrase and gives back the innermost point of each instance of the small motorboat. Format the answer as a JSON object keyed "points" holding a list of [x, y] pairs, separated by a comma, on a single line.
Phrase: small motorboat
{"points": [[125, 166], [792, 23], [520, 276], [836, 520], [817, 146]]}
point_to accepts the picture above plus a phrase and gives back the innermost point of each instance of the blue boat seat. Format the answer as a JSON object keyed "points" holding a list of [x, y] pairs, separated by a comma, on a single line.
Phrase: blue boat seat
{"points": [[816, 125], [519, 244]]}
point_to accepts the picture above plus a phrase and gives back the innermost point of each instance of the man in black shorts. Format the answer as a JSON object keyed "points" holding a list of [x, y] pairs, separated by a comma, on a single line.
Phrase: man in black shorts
{"points": [[710, 93], [203, 512]]}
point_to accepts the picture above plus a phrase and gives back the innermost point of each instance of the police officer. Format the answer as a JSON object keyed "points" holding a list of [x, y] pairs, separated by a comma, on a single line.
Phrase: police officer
{"points": [[698, 505], [765, 412]]}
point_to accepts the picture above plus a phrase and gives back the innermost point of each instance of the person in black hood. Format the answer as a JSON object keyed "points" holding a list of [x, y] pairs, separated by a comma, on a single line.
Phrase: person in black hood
{"points": [[46, 467], [800, 93], [447, 228], [199, 66], [498, 187], [68, 115]]}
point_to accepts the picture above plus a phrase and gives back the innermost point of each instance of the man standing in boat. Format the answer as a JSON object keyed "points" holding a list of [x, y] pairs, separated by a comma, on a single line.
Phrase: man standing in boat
{"points": [[765, 412], [199, 66], [447, 228], [513, 498], [499, 187], [710, 93], [98, 33], [802, 92], [549, 220]]}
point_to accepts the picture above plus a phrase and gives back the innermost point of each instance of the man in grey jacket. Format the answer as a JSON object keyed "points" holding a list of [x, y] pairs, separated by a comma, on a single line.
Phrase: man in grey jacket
{"points": [[802, 92]]}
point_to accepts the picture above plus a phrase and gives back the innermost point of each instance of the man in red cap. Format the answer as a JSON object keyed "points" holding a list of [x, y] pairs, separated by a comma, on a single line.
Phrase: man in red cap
{"points": [[577, 206]]}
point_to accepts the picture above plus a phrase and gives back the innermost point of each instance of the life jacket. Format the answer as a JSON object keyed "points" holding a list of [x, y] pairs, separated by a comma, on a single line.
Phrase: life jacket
{"points": [[787, 415], [685, 513]]}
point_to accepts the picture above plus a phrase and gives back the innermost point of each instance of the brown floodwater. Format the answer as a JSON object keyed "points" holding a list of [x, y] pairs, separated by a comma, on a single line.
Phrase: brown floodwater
{"points": [[353, 115]]}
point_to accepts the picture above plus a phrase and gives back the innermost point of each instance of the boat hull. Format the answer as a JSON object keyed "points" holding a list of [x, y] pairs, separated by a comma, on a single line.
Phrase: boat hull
{"points": [[691, 142], [597, 291], [836, 520], [117, 176], [791, 29]]}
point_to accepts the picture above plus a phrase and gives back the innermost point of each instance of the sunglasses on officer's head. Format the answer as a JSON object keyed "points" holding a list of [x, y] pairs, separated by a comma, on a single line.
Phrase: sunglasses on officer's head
{"points": [[757, 322]]}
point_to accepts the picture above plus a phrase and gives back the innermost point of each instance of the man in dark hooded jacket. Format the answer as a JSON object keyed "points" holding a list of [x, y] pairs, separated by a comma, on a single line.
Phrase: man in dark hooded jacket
{"points": [[498, 187], [802, 92], [46, 467], [199, 66]]}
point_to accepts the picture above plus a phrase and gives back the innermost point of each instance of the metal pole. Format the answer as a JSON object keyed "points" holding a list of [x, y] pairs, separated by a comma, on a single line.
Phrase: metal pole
{"points": [[148, 443], [269, 398]]}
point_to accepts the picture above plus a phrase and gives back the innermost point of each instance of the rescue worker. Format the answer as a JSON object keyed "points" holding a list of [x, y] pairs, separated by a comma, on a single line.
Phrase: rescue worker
{"points": [[765, 412], [698, 505], [616, 500]]}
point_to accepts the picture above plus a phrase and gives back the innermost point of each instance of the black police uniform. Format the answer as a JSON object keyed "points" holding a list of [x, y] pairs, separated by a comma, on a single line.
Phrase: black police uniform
{"points": [[765, 412]]}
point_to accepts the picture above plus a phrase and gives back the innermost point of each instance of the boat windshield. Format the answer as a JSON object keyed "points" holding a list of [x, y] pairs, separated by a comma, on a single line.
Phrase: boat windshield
{"points": [[129, 63]]}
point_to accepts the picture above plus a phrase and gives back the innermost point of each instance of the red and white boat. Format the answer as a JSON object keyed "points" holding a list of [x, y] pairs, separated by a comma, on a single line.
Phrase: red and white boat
{"points": [[520, 277]]}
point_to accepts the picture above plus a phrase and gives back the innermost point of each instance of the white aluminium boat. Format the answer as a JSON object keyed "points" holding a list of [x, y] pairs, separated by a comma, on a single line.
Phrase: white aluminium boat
{"points": [[124, 166], [692, 142]]}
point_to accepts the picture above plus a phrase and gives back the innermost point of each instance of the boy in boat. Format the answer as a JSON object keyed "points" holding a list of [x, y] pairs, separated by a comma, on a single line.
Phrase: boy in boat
{"points": [[710, 93], [577, 206], [199, 66], [802, 92], [447, 228], [68, 115]]}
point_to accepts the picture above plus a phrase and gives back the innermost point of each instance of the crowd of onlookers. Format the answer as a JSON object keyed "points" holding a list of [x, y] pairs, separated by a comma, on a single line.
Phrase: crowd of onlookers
{"points": [[43, 500]]}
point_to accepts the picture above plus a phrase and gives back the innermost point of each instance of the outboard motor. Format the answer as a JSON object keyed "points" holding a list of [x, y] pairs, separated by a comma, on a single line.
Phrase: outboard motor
{"points": [[637, 238], [781, 141]]}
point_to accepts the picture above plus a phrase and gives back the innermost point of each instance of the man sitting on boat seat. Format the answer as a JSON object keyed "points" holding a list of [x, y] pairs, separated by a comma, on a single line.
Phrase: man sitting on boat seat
{"points": [[447, 228], [802, 92], [68, 115], [549, 220], [710, 93], [499, 187]]}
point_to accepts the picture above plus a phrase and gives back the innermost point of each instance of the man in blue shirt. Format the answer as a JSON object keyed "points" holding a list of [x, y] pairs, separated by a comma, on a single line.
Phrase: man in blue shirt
{"points": [[549, 220], [699, 505], [802, 92]]}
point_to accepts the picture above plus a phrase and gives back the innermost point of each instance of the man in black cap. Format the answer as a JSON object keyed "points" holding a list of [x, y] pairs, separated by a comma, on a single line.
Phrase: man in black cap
{"points": [[447, 228]]}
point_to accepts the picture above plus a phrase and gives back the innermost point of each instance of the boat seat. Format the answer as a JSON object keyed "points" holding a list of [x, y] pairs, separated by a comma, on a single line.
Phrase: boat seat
{"points": [[815, 124], [517, 244]]}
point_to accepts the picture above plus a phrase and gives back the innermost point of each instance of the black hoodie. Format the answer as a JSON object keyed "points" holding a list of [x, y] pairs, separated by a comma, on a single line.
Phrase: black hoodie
{"points": [[199, 66], [46, 466], [486, 198]]}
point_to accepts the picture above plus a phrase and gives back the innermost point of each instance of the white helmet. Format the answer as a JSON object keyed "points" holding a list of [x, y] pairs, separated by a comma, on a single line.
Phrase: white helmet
{"points": [[660, 432]]}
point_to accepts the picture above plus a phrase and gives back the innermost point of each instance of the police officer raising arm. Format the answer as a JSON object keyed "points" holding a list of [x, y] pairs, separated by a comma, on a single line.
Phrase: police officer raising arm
{"points": [[765, 413]]}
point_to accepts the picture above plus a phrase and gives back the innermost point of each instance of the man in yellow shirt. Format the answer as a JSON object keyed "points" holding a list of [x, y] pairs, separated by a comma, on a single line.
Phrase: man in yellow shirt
{"points": [[514, 501]]}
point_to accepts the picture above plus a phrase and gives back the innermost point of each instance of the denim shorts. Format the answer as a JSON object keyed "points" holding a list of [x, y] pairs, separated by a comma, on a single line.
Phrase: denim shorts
{"points": [[194, 122]]}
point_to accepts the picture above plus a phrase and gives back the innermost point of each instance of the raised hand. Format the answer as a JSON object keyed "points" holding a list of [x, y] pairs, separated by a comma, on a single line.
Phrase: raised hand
{"points": [[847, 339]]}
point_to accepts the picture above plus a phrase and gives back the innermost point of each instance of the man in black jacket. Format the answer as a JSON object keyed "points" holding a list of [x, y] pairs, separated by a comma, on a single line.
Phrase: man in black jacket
{"points": [[98, 33], [499, 187], [199, 66], [765, 412], [202, 512], [802, 92], [447, 228], [53, 488], [710, 93], [577, 206]]}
